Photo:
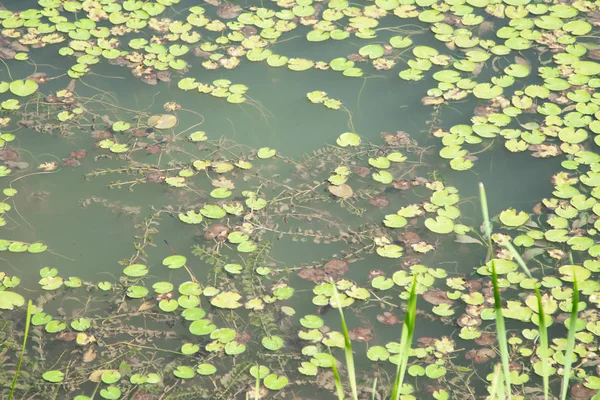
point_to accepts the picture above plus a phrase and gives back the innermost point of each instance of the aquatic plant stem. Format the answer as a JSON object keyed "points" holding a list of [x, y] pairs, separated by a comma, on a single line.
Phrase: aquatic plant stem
{"points": [[336, 377], [570, 340], [27, 322], [541, 320], [257, 384], [347, 346], [374, 389], [500, 327], [497, 388], [408, 330]]}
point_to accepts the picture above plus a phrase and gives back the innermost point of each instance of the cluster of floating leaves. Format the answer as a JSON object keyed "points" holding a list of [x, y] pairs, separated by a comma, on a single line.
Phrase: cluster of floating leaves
{"points": [[558, 116]]}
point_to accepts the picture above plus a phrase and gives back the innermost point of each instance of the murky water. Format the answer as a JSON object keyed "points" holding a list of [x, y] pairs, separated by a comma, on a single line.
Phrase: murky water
{"points": [[111, 209]]}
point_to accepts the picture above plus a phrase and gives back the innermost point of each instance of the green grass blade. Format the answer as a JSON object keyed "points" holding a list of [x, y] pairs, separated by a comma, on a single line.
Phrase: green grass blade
{"points": [[347, 346], [543, 344], [570, 341], [486, 217], [374, 389], [497, 388], [408, 330], [501, 332], [27, 322], [500, 326], [518, 257], [257, 384], [336, 378], [541, 321]]}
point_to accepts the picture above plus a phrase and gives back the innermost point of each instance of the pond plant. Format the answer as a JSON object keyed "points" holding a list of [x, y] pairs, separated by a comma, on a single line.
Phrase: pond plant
{"points": [[207, 298]]}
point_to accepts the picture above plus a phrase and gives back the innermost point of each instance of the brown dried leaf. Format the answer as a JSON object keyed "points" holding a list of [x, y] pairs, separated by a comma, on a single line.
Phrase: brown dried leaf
{"points": [[96, 376], [362, 171], [468, 320], [89, 355], [8, 155], [336, 267], [229, 11], [153, 149], [344, 191], [486, 339], [361, 334], [432, 101], [71, 162], [311, 274], [388, 318], [401, 184], [78, 154], [409, 237], [66, 336], [580, 392], [437, 297], [217, 232], [480, 356], [147, 305], [379, 201]]}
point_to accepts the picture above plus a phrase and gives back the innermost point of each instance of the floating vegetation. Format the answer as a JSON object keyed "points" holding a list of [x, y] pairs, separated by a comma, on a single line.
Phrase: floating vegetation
{"points": [[240, 252]]}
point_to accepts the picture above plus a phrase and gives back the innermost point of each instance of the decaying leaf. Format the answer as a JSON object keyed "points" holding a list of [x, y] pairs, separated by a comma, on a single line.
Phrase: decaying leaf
{"points": [[344, 191]]}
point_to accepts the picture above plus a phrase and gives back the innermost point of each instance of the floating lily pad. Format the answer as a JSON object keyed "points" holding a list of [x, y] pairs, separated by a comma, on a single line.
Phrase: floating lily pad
{"points": [[23, 88], [266, 152], [162, 121], [174, 261], [440, 224], [512, 219], [274, 382], [10, 300]]}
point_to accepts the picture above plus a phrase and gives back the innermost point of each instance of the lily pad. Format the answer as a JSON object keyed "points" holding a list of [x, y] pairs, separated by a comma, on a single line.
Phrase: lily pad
{"points": [[275, 382], [162, 121], [512, 219], [10, 300], [440, 224], [23, 88], [174, 261]]}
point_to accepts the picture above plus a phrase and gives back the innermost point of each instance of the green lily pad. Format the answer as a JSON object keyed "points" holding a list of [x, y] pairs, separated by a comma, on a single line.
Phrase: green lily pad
{"points": [[23, 88], [266, 152], [191, 217], [137, 292], [246, 247], [390, 251], [206, 369], [228, 300], [174, 261], [184, 372], [54, 376], [380, 162], [440, 224], [272, 343], [348, 139], [213, 211], [135, 270], [512, 219], [394, 221], [201, 327], [274, 382], [372, 51], [378, 353], [311, 321], [10, 300], [487, 91]]}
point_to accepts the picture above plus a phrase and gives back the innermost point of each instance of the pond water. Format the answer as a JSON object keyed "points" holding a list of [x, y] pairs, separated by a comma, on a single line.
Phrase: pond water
{"points": [[191, 189]]}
